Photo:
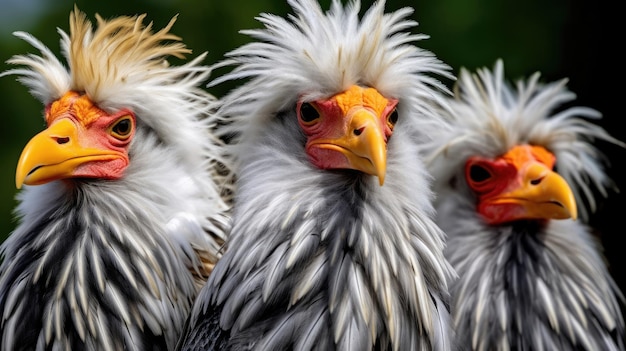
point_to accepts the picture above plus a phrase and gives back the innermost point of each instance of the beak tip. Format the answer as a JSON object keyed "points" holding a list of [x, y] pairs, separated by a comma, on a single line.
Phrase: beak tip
{"points": [[20, 175], [572, 207], [381, 177], [18, 183]]}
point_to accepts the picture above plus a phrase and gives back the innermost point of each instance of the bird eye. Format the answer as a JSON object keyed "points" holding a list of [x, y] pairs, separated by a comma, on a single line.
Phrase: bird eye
{"points": [[308, 113], [392, 119], [478, 173], [122, 128]]}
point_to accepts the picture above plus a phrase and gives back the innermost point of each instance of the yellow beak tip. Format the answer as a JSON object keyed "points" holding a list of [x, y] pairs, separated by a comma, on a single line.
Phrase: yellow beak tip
{"points": [[381, 178], [19, 182]]}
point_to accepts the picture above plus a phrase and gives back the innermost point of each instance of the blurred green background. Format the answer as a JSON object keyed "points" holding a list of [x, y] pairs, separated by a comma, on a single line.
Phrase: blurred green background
{"points": [[560, 38]]}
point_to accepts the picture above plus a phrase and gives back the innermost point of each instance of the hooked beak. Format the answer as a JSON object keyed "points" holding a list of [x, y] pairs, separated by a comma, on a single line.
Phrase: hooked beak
{"points": [[55, 153]]}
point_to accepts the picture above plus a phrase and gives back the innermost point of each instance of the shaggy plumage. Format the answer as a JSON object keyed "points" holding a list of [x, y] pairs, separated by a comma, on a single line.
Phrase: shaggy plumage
{"points": [[114, 263], [535, 284], [318, 258]]}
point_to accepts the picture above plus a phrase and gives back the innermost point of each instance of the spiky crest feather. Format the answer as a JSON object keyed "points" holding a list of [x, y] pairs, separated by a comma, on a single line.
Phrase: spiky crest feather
{"points": [[316, 54]]}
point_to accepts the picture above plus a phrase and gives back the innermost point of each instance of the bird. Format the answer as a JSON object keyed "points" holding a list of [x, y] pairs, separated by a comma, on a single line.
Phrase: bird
{"points": [[122, 203], [517, 173], [333, 244]]}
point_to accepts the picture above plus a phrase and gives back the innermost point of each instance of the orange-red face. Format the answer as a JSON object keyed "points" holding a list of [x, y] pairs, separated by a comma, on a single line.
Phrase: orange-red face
{"points": [[520, 185], [350, 130], [81, 141]]}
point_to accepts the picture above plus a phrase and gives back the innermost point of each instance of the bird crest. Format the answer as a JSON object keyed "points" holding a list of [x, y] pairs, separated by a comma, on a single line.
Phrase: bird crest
{"points": [[116, 51], [120, 53], [315, 54], [120, 63]]}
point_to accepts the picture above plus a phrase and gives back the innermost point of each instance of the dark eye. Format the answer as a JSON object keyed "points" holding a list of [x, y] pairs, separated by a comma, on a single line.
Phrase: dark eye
{"points": [[393, 118], [122, 128], [308, 113], [478, 173]]}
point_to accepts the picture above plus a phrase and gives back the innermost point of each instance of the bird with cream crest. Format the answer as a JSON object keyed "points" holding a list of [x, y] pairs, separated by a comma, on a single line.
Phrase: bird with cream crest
{"points": [[121, 212]]}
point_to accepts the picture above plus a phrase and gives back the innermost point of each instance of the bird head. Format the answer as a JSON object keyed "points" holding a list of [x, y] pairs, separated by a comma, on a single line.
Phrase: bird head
{"points": [[521, 153], [341, 76], [81, 140], [117, 84], [520, 184], [349, 130]]}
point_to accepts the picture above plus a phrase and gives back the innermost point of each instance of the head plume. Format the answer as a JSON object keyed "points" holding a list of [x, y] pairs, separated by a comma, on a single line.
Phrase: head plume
{"points": [[489, 115], [314, 54], [122, 63], [118, 54]]}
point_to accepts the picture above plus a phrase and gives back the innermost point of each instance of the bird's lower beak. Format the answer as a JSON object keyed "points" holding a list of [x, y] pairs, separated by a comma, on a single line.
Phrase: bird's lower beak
{"points": [[55, 153], [542, 194], [364, 144]]}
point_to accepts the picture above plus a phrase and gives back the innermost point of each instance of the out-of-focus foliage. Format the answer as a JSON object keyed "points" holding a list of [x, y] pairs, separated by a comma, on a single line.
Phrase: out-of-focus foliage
{"points": [[559, 38]]}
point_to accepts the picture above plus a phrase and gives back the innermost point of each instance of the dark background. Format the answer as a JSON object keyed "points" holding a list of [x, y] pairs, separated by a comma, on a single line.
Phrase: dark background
{"points": [[572, 39]]}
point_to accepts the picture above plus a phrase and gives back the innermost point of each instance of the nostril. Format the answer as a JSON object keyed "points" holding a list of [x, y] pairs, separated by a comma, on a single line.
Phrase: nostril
{"points": [[536, 181], [358, 131], [63, 140]]}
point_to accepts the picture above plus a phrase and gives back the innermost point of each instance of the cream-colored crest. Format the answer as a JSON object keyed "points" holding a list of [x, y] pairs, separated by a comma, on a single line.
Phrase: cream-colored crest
{"points": [[112, 54]]}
